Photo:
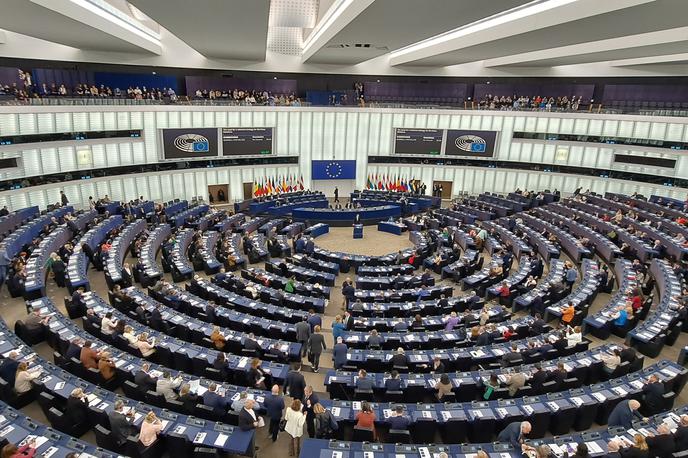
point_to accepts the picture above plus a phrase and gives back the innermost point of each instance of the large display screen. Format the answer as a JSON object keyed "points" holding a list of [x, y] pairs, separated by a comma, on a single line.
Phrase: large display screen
{"points": [[418, 141], [246, 141], [476, 143], [192, 143]]}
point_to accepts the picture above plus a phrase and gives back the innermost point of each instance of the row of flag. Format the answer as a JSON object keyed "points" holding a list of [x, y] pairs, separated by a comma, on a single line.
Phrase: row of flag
{"points": [[277, 185], [384, 182]]}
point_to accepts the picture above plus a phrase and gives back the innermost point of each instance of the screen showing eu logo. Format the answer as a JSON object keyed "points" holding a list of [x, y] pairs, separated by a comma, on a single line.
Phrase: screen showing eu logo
{"points": [[333, 170], [192, 143]]}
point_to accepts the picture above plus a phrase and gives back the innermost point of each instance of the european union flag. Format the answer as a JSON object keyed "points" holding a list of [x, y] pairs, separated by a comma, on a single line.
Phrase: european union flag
{"points": [[333, 170]]}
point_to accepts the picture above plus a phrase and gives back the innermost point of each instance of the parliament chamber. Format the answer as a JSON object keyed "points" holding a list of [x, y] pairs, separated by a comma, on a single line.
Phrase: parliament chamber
{"points": [[343, 229]]}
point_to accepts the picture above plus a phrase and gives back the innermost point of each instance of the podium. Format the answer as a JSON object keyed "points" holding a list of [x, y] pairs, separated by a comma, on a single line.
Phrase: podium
{"points": [[358, 231]]}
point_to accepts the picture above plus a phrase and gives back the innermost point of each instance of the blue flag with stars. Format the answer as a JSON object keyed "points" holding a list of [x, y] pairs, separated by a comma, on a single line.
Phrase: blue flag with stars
{"points": [[333, 170]]}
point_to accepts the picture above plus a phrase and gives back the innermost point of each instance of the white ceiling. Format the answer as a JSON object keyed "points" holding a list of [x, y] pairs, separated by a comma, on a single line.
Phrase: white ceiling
{"points": [[396, 37], [223, 29]]}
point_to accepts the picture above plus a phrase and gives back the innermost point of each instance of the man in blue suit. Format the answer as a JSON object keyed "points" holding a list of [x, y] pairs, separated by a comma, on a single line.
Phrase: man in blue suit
{"points": [[339, 353], [624, 413], [214, 400], [515, 433]]}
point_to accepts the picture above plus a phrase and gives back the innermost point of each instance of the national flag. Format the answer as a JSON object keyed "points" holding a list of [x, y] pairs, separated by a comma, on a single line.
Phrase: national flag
{"points": [[369, 184], [301, 184], [256, 189]]}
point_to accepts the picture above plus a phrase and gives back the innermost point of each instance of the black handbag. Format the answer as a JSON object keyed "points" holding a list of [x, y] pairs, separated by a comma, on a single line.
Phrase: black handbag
{"points": [[282, 424]]}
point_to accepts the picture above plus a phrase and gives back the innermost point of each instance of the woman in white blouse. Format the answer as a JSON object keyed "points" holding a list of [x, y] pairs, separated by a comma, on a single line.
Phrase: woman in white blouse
{"points": [[130, 336], [294, 427], [22, 381], [575, 336], [144, 346]]}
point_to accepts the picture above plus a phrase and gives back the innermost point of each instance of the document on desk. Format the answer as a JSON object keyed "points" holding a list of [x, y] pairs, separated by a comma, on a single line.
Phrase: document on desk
{"points": [[594, 448], [179, 429], [502, 412], [387, 413], [528, 410], [599, 396], [49, 452], [6, 430], [578, 401], [58, 386], [337, 454], [424, 452], [637, 384], [200, 437], [356, 405], [426, 414], [620, 391], [336, 411], [553, 405], [221, 440], [243, 361]]}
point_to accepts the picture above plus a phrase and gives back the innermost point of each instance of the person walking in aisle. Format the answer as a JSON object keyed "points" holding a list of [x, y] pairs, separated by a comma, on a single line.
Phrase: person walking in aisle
{"points": [[274, 404], [294, 427], [316, 344]]}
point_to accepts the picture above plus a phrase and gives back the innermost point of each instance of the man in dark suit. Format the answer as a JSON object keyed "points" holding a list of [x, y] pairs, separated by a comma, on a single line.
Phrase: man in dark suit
{"points": [[662, 444], [144, 380], [63, 198], [121, 424], [250, 343], [8, 368], [681, 434], [214, 400], [537, 327], [348, 291], [339, 353], [512, 357], [210, 312], [653, 396], [514, 434], [624, 413], [538, 378], [74, 349], [274, 405], [364, 382], [558, 376], [399, 358], [628, 354], [394, 382], [303, 333], [348, 321], [155, 320], [295, 383], [248, 419]]}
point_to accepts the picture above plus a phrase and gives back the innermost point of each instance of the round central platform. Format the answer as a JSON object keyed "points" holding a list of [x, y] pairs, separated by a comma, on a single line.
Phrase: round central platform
{"points": [[373, 243]]}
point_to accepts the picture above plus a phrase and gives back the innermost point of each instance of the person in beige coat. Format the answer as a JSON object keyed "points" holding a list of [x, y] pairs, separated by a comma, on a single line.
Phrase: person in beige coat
{"points": [[515, 381]]}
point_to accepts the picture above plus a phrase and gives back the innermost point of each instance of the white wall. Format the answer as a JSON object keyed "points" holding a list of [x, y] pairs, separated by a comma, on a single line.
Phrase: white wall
{"points": [[160, 186], [317, 133]]}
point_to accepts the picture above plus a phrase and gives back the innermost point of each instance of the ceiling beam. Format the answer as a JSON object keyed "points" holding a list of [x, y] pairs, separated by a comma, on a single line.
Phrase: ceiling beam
{"points": [[340, 14], [611, 44], [651, 60], [107, 22], [524, 19]]}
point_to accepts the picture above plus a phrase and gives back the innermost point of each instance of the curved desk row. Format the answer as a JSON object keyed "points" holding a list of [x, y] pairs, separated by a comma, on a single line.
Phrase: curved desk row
{"points": [[345, 217], [78, 263], [120, 247], [24, 235], [455, 432], [61, 383]]}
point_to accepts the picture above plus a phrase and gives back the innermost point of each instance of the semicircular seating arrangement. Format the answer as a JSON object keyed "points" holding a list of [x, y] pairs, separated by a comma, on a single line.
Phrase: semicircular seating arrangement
{"points": [[206, 309]]}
